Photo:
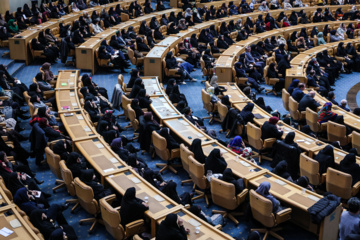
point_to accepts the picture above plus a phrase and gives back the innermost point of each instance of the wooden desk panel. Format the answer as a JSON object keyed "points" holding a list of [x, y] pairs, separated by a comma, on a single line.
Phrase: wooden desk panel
{"points": [[153, 62], [164, 109], [206, 232], [99, 154], [78, 127], [85, 54]]}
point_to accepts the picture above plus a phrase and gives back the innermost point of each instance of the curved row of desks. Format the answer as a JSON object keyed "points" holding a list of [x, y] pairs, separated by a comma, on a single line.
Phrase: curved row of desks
{"points": [[12, 219], [226, 61], [111, 168], [298, 71], [19, 44], [85, 53]]}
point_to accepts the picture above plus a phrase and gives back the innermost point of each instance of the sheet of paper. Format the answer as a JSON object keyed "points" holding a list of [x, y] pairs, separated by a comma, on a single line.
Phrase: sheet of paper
{"points": [[300, 140], [114, 160], [74, 104], [245, 164], [87, 129], [313, 198], [341, 154], [159, 198], [108, 170], [99, 145], [80, 117], [184, 123], [135, 180], [194, 222], [278, 181], [5, 231], [72, 94], [15, 223]]}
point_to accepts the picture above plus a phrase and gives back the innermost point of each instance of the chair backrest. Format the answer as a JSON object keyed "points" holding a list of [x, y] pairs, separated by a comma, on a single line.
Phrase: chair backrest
{"points": [[67, 176], [339, 183], [254, 136], [132, 117], [285, 99], [312, 120], [53, 161], [112, 220], [223, 194], [222, 110], [31, 108], [160, 146], [5, 189], [206, 98], [85, 196], [267, 80], [261, 209], [293, 109], [197, 173], [120, 79], [131, 55], [310, 168], [356, 141], [184, 156], [26, 96], [336, 132], [125, 101]]}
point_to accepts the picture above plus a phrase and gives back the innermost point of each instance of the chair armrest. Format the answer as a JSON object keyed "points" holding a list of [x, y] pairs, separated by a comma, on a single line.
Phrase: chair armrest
{"points": [[323, 177], [4, 98], [241, 196], [48, 94], [355, 188], [136, 223], [175, 153], [273, 80], [5, 138], [268, 142], [10, 158], [218, 226], [173, 71], [283, 215]]}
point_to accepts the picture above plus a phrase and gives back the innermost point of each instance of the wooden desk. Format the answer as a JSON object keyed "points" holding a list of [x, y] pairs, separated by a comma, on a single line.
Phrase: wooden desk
{"points": [[234, 93], [152, 86], [170, 41], [99, 154], [24, 231], [300, 200], [107, 34], [240, 166], [153, 62], [163, 108], [186, 130], [207, 231], [18, 47], [251, 40], [339, 154], [67, 79], [67, 100], [78, 127], [224, 66], [85, 54], [159, 203]]}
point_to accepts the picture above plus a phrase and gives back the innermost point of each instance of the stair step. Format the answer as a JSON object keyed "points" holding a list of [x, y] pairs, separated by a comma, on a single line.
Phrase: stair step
{"points": [[15, 67]]}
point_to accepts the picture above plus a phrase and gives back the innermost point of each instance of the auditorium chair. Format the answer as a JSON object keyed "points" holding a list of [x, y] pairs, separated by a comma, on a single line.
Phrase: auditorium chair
{"points": [[197, 174], [340, 184]]}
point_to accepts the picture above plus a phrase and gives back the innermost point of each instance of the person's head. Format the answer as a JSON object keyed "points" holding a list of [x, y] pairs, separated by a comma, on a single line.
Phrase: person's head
{"points": [[312, 94], [343, 103], [263, 188], [148, 116], [354, 205], [331, 95], [273, 120], [301, 86]]}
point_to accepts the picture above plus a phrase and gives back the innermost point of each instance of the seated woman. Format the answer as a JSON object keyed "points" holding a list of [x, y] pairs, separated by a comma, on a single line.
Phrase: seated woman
{"points": [[136, 107], [263, 190], [44, 221], [270, 129], [92, 109], [175, 96], [123, 148], [196, 148], [236, 145], [94, 89], [44, 113], [115, 59], [215, 219], [197, 121], [273, 73], [146, 129], [63, 149], [170, 191], [170, 141], [107, 132], [247, 114], [134, 75], [215, 162], [144, 99], [141, 46], [132, 208], [281, 170], [50, 133], [138, 85], [35, 89], [75, 164], [49, 52], [88, 177], [348, 165], [325, 114], [303, 181], [172, 228], [229, 177], [183, 68], [325, 158]]}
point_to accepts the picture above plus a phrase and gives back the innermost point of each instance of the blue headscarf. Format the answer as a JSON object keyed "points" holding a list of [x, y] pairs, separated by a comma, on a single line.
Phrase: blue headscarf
{"points": [[263, 189], [236, 142]]}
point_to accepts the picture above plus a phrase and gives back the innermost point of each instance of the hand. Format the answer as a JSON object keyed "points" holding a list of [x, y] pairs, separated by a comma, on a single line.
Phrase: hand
{"points": [[187, 230], [4, 164], [23, 177], [145, 204], [180, 222]]}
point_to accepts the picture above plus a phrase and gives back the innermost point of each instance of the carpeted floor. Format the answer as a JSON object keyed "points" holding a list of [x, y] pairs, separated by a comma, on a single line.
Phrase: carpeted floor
{"points": [[193, 94]]}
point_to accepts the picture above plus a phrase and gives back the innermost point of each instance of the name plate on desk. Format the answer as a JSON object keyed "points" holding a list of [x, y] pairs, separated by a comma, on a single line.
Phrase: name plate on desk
{"points": [[313, 198], [278, 181], [194, 222], [80, 117], [245, 164], [99, 145], [108, 170], [135, 180], [113, 160], [159, 198]]}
